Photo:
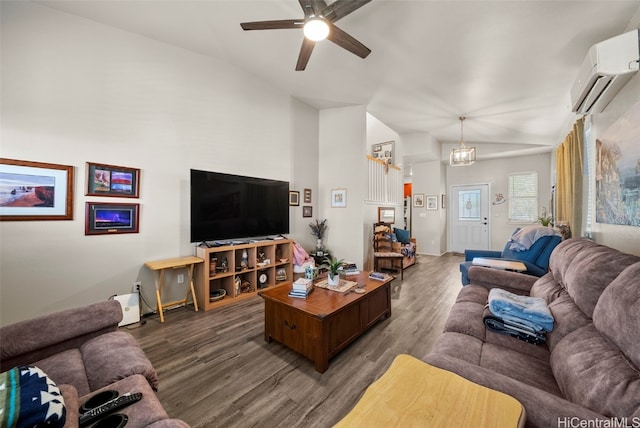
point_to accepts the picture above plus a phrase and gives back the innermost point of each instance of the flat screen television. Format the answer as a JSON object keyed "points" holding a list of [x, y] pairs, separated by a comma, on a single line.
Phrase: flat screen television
{"points": [[230, 207]]}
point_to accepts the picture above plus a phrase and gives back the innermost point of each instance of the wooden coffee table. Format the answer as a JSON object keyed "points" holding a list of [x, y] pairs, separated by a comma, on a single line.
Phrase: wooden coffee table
{"points": [[321, 325]]}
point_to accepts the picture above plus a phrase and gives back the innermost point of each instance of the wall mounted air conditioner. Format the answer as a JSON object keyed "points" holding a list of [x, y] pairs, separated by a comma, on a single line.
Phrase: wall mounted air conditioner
{"points": [[609, 65]]}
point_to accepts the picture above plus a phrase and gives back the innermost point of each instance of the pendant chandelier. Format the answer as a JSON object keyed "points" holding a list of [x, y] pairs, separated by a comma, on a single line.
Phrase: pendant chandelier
{"points": [[463, 155]]}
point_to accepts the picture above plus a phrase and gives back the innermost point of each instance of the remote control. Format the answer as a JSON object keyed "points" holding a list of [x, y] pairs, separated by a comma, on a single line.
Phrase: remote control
{"points": [[108, 407]]}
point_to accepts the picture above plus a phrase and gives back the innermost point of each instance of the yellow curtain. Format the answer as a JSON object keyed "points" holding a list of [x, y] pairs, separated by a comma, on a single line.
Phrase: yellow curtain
{"points": [[569, 158]]}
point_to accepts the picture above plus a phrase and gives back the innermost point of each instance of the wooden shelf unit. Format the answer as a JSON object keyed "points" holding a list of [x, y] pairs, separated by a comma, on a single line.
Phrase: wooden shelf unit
{"points": [[274, 250]]}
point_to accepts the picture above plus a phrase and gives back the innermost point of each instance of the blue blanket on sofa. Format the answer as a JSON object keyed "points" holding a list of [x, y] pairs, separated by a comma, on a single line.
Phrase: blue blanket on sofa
{"points": [[530, 311]]}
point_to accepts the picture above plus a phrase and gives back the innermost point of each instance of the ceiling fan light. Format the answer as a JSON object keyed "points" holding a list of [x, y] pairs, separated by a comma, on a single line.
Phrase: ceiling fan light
{"points": [[316, 29]]}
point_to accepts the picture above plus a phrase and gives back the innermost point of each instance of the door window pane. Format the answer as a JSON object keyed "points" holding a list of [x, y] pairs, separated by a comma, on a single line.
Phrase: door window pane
{"points": [[469, 205]]}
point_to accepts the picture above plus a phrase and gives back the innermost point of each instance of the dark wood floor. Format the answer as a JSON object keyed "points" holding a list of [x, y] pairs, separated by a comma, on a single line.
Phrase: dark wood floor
{"points": [[216, 370]]}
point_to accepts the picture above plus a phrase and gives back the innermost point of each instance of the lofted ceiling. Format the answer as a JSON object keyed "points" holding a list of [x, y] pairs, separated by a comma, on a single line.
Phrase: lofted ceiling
{"points": [[505, 65]]}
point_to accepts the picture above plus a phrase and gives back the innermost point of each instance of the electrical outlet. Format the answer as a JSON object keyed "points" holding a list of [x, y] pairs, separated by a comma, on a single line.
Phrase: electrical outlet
{"points": [[136, 286], [180, 278]]}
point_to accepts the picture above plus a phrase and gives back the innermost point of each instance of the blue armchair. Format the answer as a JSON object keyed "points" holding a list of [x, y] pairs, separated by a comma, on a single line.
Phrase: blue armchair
{"points": [[535, 258]]}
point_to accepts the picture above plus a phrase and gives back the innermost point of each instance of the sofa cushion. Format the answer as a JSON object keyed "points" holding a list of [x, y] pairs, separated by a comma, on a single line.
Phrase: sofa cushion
{"points": [[67, 368], [30, 398], [568, 318], [114, 356], [594, 373], [617, 314], [585, 269]]}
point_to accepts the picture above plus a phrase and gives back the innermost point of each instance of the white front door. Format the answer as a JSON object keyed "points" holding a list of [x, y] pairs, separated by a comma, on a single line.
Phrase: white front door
{"points": [[469, 218]]}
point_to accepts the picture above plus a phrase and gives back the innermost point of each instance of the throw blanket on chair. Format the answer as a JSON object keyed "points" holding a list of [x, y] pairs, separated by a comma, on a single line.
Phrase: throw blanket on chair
{"points": [[529, 311], [524, 238]]}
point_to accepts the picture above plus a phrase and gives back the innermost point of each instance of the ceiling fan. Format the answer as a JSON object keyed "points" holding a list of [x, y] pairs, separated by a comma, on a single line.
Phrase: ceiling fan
{"points": [[318, 24]]}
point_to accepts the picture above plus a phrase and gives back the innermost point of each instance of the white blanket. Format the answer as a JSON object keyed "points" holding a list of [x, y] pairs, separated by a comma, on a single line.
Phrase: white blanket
{"points": [[523, 239]]}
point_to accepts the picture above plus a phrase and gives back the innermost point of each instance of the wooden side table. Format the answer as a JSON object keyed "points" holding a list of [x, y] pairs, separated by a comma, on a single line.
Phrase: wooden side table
{"points": [[160, 266]]}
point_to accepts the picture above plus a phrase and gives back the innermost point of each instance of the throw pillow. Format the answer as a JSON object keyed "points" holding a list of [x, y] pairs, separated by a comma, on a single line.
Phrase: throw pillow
{"points": [[28, 397], [403, 235]]}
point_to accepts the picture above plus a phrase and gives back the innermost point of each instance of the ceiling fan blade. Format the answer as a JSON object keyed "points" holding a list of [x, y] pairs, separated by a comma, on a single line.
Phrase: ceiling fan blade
{"points": [[344, 40], [273, 25], [312, 7], [342, 8], [305, 53]]}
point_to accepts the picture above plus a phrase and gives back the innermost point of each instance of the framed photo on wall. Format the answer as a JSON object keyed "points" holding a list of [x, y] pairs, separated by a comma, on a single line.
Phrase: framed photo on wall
{"points": [[432, 202], [35, 191], [307, 196], [294, 198], [111, 180], [103, 218], [338, 198], [307, 211], [386, 215], [418, 200]]}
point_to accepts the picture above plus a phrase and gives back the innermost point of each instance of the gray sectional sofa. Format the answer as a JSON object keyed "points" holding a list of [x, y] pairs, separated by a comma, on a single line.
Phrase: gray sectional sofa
{"points": [[83, 352], [589, 367]]}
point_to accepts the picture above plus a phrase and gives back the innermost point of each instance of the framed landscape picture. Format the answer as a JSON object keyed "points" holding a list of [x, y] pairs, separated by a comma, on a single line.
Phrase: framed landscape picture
{"points": [[111, 180], [111, 219], [35, 191]]}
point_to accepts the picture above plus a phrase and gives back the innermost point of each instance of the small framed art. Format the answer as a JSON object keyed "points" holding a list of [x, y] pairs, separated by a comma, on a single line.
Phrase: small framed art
{"points": [[307, 196], [294, 198], [418, 200], [111, 180], [432, 202], [307, 211], [338, 198], [111, 219], [386, 215], [443, 202], [35, 191]]}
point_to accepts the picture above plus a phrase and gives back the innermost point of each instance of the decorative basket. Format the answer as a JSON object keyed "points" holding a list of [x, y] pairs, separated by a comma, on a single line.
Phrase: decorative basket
{"points": [[217, 294]]}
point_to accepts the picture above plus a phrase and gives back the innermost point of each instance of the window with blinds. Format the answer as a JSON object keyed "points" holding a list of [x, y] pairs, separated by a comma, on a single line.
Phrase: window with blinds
{"points": [[523, 197]]}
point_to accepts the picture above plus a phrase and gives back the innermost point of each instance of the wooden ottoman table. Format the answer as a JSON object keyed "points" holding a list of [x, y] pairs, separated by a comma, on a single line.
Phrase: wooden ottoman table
{"points": [[412, 393], [321, 325]]}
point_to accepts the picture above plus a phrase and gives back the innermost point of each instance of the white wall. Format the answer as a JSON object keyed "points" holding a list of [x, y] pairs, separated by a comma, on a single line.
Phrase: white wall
{"points": [[342, 165], [305, 128], [74, 91], [496, 172]]}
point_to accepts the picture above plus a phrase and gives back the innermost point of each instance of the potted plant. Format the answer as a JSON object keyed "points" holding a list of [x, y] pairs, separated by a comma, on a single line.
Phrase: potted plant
{"points": [[544, 219], [334, 266]]}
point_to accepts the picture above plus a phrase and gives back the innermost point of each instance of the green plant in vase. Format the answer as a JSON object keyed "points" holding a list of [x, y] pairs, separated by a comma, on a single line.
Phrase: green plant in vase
{"points": [[335, 268], [544, 219]]}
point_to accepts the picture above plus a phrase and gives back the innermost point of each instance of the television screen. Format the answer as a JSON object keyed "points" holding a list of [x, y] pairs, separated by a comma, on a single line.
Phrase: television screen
{"points": [[226, 206]]}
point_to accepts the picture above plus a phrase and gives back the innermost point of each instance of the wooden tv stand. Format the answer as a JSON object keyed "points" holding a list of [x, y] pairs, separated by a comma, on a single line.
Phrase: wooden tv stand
{"points": [[278, 271]]}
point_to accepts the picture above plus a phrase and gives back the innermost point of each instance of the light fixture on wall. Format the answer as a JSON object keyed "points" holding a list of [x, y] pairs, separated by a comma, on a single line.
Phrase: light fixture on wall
{"points": [[316, 29], [463, 155]]}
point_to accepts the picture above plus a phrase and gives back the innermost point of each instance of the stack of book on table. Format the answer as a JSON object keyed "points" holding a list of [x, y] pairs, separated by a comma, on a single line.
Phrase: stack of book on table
{"points": [[350, 269], [301, 288]]}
